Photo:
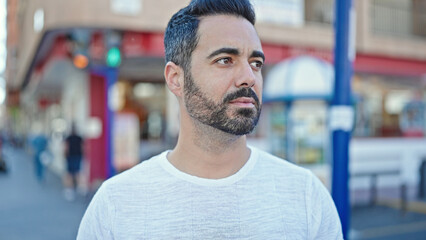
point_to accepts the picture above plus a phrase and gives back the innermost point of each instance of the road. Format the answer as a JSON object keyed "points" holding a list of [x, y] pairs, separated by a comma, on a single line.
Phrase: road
{"points": [[35, 210]]}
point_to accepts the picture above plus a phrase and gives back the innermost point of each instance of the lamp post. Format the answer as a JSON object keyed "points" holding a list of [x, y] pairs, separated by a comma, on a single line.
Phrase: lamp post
{"points": [[341, 110]]}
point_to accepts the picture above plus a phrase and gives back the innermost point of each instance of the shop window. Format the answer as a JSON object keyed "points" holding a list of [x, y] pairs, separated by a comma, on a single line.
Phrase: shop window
{"points": [[298, 131], [145, 103], [412, 119], [383, 106], [396, 100], [278, 129], [152, 96], [319, 11]]}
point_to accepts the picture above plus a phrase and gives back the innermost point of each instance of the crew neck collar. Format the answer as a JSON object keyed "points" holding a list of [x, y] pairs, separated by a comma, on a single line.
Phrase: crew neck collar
{"points": [[248, 166]]}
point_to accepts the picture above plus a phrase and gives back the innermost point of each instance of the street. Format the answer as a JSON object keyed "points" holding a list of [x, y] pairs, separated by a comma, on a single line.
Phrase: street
{"points": [[35, 210], [387, 223]]}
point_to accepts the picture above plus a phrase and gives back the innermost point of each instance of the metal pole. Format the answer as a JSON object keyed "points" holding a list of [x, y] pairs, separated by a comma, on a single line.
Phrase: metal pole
{"points": [[111, 74], [341, 111]]}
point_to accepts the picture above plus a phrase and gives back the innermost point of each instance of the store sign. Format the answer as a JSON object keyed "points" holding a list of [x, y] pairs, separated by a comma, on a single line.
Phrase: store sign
{"points": [[126, 7], [284, 12], [341, 118]]}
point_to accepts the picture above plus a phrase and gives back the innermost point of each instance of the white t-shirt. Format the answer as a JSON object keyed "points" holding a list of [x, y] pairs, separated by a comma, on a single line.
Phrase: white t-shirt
{"points": [[268, 198]]}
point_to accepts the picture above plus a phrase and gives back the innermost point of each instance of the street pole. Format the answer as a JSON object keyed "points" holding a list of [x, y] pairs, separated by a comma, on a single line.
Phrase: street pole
{"points": [[341, 110], [111, 74]]}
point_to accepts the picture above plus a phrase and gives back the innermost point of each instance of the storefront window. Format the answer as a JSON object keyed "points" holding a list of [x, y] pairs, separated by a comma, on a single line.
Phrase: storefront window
{"points": [[319, 11], [143, 105], [380, 102], [309, 135], [278, 129], [298, 131]]}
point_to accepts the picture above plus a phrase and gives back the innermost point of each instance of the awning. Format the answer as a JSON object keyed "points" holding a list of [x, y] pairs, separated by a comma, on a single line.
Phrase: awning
{"points": [[303, 77]]}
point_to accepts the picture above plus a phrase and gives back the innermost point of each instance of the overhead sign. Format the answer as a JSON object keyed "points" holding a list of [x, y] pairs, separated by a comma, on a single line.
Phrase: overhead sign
{"points": [[126, 7], [341, 118], [285, 12]]}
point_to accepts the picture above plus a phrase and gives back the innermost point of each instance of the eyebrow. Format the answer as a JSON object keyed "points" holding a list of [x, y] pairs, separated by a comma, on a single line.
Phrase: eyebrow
{"points": [[234, 51], [256, 53]]}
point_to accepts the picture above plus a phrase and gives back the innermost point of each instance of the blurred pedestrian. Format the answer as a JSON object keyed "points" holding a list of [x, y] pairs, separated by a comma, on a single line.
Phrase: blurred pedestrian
{"points": [[3, 166], [74, 155], [212, 185], [39, 145]]}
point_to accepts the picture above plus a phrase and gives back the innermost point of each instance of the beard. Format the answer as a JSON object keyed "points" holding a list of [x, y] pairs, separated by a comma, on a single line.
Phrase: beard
{"points": [[221, 116]]}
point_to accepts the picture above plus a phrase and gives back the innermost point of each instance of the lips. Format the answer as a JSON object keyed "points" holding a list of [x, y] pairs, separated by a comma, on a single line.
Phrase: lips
{"points": [[244, 97], [243, 102]]}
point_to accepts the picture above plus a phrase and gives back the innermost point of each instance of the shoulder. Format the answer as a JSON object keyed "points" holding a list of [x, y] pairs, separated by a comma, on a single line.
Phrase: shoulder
{"points": [[289, 179], [145, 173], [280, 167]]}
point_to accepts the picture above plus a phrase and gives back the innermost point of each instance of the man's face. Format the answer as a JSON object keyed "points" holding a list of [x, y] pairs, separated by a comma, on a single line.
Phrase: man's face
{"points": [[223, 87]]}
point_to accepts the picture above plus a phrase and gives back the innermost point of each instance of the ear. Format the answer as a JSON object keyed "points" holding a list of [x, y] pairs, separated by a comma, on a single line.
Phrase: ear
{"points": [[174, 78]]}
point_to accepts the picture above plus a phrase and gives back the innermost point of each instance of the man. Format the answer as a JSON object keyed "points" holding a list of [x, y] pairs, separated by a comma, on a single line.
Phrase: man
{"points": [[39, 144], [74, 155], [212, 185]]}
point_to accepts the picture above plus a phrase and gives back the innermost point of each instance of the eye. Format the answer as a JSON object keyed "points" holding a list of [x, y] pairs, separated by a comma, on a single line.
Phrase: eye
{"points": [[224, 61], [257, 64]]}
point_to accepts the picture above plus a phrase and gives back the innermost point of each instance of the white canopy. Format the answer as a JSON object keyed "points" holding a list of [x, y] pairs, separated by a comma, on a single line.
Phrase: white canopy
{"points": [[299, 77]]}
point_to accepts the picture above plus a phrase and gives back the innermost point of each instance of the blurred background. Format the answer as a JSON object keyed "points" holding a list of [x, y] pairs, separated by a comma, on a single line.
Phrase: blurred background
{"points": [[98, 66]]}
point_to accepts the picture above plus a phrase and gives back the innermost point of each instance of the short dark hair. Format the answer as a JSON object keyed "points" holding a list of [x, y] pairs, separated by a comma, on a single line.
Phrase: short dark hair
{"points": [[181, 36]]}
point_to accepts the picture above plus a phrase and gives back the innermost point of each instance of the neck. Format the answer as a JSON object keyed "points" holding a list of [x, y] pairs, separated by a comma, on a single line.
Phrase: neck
{"points": [[207, 152], [212, 140]]}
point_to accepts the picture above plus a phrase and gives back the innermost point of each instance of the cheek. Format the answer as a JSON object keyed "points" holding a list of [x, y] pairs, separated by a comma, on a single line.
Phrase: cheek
{"points": [[258, 89], [215, 86]]}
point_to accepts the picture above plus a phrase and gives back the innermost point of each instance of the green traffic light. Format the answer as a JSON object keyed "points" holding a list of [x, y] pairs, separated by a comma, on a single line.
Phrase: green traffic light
{"points": [[113, 57]]}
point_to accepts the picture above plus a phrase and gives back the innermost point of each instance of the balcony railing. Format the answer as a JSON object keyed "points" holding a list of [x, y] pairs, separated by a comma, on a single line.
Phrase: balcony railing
{"points": [[397, 19]]}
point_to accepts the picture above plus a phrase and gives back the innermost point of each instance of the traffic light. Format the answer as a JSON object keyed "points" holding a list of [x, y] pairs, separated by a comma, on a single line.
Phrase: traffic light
{"points": [[80, 61], [113, 57]]}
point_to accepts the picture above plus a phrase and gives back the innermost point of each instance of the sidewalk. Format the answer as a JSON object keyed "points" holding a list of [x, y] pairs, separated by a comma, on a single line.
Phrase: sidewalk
{"points": [[33, 210], [386, 221]]}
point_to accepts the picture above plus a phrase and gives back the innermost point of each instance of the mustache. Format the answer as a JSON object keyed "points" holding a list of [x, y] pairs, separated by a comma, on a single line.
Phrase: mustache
{"points": [[243, 92]]}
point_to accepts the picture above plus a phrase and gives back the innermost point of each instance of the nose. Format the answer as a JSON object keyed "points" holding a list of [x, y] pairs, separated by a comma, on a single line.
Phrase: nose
{"points": [[247, 77]]}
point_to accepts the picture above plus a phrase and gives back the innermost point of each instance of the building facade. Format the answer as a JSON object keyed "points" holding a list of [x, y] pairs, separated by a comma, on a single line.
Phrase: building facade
{"points": [[66, 69]]}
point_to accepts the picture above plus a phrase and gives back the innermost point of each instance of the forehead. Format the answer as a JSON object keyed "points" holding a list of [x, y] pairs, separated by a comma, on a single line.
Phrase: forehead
{"points": [[219, 31]]}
